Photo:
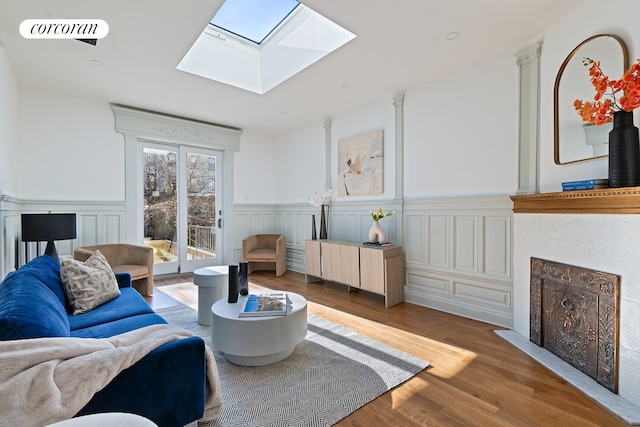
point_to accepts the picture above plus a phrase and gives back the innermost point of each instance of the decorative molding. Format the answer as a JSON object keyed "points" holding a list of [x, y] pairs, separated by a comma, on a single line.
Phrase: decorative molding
{"points": [[136, 123], [184, 133], [529, 54], [624, 200]]}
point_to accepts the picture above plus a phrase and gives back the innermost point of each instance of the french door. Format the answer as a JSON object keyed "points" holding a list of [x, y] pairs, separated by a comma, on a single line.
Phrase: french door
{"points": [[182, 192]]}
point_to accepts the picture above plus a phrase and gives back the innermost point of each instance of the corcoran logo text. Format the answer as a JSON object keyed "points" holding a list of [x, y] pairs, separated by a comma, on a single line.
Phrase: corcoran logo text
{"points": [[64, 29]]}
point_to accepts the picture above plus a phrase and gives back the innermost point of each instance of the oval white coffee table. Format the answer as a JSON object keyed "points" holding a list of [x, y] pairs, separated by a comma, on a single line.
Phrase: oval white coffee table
{"points": [[257, 341], [213, 284]]}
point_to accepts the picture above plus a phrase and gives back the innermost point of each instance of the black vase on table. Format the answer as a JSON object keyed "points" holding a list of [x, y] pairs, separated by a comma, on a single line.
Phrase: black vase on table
{"points": [[243, 278], [313, 228], [233, 284], [323, 223], [624, 151]]}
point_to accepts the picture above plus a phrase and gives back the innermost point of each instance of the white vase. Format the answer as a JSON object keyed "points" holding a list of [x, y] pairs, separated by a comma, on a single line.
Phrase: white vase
{"points": [[377, 234]]}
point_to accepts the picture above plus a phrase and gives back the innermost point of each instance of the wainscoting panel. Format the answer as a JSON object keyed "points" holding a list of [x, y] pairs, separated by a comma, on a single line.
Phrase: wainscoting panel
{"points": [[482, 293], [97, 222], [465, 230], [457, 252], [87, 230], [414, 249], [253, 219], [476, 299], [113, 225], [497, 246], [11, 246], [428, 283], [462, 264], [438, 241]]}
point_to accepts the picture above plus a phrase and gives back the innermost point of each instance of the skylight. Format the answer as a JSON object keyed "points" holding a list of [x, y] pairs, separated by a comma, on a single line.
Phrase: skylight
{"points": [[233, 56], [253, 20]]}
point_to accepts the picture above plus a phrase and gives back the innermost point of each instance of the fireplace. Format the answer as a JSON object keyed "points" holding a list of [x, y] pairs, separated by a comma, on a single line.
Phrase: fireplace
{"points": [[575, 315], [598, 229]]}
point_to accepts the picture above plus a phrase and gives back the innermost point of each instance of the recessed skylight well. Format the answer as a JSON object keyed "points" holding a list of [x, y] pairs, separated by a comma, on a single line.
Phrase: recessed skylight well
{"points": [[238, 50]]}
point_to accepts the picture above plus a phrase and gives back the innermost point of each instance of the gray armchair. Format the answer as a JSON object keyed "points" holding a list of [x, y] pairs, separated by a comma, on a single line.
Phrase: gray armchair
{"points": [[265, 252]]}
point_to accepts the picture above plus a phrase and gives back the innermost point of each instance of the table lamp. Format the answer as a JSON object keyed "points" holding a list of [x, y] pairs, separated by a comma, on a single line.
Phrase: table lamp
{"points": [[48, 228]]}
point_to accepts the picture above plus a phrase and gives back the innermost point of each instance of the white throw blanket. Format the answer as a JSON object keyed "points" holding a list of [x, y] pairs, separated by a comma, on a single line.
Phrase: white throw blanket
{"points": [[45, 380]]}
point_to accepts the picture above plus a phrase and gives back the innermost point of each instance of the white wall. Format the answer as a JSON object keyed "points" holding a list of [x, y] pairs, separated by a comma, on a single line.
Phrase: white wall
{"points": [[300, 164], [8, 124], [68, 149], [461, 133], [583, 22], [461, 139], [254, 169]]}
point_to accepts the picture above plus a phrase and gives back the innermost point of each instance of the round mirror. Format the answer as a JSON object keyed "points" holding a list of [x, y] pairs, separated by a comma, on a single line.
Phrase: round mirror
{"points": [[576, 140]]}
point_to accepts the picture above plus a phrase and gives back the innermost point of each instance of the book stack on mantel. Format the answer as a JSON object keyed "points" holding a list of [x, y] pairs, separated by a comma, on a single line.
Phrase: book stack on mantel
{"points": [[587, 184]]}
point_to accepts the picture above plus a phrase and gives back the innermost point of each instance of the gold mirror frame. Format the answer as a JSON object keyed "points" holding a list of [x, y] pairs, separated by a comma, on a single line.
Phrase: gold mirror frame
{"points": [[563, 106]]}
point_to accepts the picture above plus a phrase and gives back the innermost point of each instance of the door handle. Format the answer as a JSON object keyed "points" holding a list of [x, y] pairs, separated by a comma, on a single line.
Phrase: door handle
{"points": [[219, 222]]}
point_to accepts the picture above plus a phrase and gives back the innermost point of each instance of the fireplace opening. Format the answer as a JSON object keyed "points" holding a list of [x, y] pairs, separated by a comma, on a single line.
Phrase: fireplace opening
{"points": [[575, 314]]}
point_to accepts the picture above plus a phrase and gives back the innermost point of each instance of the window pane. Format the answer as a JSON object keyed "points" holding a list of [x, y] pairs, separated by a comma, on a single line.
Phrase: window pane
{"points": [[252, 19], [201, 206], [160, 203]]}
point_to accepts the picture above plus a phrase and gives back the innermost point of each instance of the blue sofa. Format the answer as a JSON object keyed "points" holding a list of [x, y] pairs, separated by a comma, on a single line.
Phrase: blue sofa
{"points": [[167, 386]]}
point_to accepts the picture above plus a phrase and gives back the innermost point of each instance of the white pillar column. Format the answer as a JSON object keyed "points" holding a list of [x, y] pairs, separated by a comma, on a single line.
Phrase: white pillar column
{"points": [[328, 159], [398, 103], [529, 137]]}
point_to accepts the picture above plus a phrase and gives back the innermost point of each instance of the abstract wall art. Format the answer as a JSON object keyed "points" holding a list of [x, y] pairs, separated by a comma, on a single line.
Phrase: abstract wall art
{"points": [[361, 164]]}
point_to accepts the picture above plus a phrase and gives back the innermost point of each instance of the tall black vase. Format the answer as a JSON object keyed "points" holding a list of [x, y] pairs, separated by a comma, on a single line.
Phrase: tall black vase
{"points": [[323, 223], [243, 277], [313, 228], [233, 284], [624, 151]]}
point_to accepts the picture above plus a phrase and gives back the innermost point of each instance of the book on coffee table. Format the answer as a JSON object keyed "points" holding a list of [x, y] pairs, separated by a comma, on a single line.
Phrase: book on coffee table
{"points": [[265, 304]]}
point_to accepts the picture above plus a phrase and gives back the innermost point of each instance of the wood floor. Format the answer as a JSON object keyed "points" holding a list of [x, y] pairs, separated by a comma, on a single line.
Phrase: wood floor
{"points": [[475, 378]]}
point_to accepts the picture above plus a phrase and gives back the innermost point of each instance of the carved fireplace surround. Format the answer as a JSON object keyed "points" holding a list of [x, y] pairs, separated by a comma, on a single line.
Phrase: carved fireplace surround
{"points": [[595, 229]]}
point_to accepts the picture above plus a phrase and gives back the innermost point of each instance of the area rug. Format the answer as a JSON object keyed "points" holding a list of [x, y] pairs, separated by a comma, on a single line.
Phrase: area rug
{"points": [[332, 373]]}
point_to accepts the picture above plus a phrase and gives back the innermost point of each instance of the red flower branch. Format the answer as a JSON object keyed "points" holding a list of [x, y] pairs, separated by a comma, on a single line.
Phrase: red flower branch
{"points": [[605, 101]]}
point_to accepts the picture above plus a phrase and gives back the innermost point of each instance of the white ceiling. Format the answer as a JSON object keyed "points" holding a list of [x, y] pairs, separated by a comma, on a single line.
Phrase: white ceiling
{"points": [[400, 44]]}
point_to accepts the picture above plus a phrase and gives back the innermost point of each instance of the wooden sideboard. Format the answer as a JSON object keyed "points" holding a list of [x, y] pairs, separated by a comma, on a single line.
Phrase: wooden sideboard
{"points": [[371, 269]]}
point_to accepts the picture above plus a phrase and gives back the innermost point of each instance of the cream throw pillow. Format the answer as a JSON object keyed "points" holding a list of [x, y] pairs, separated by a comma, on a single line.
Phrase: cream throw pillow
{"points": [[88, 284]]}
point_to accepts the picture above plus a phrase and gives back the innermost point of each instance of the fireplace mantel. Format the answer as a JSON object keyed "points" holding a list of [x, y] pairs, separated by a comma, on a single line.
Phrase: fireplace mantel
{"points": [[605, 201]]}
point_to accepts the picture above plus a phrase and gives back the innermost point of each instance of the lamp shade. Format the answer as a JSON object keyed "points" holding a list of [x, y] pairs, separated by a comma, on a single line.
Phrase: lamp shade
{"points": [[48, 227]]}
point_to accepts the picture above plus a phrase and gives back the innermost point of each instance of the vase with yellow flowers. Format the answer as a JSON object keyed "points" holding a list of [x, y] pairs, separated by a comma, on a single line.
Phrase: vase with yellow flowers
{"points": [[376, 232], [615, 101]]}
